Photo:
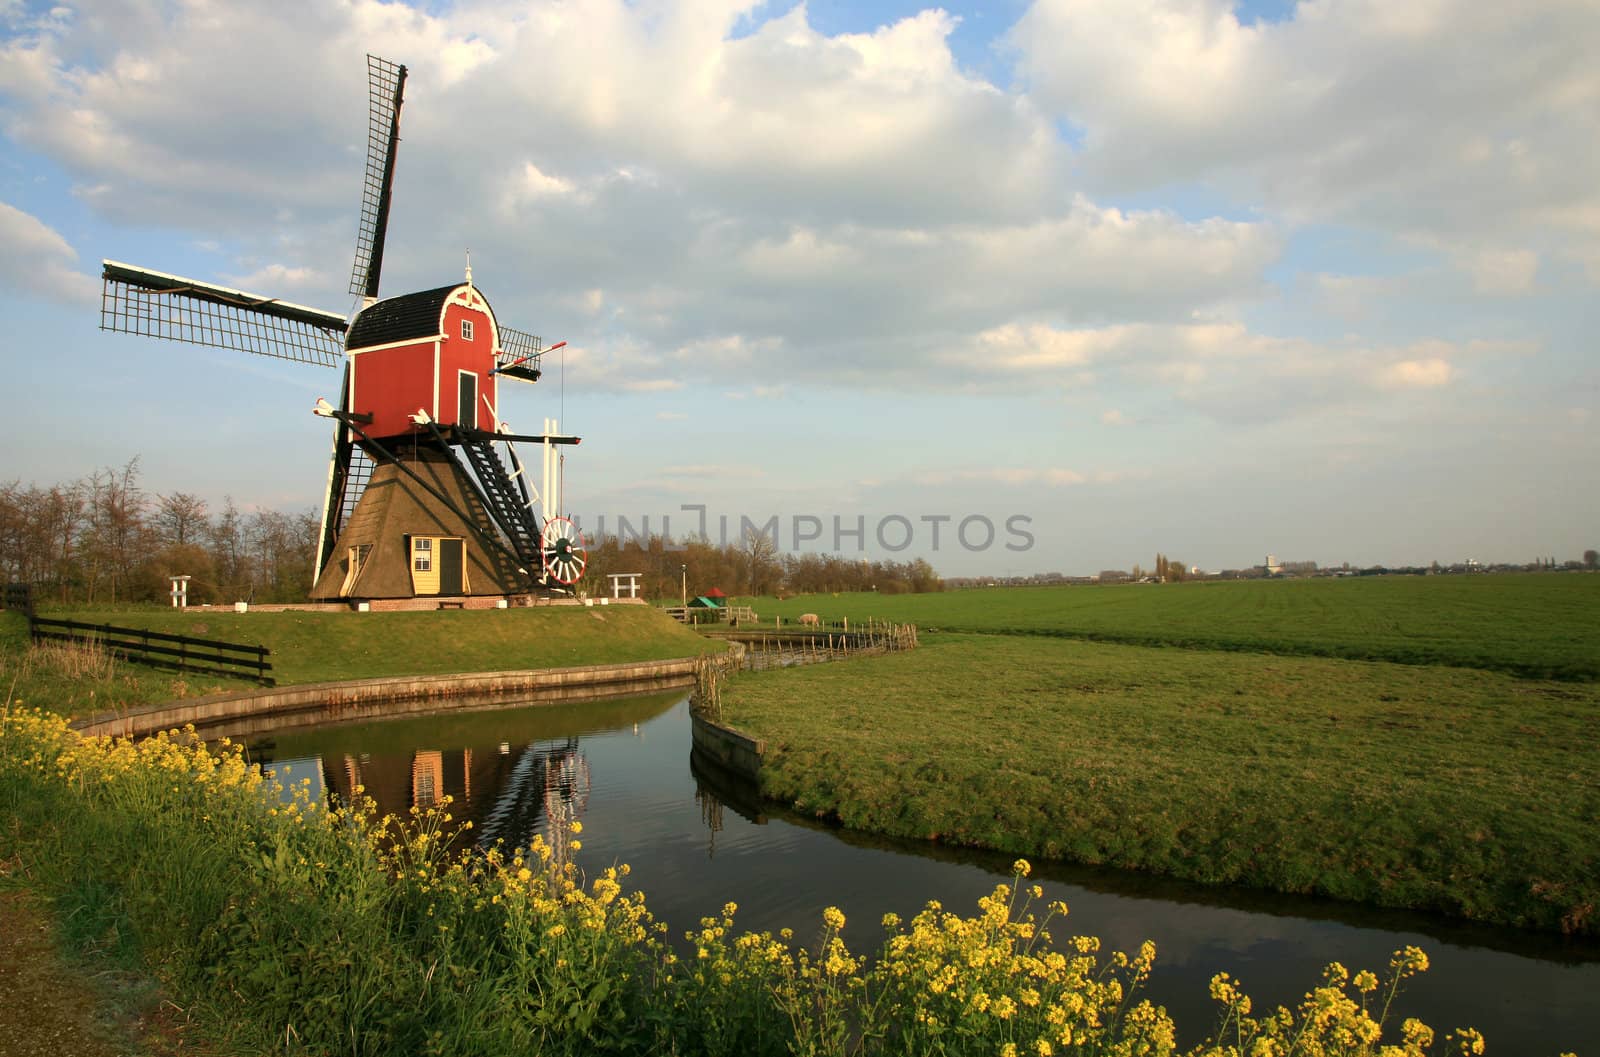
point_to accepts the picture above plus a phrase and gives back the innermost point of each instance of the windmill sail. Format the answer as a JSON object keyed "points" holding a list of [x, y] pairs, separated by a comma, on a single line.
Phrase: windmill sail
{"points": [[157, 305], [386, 83]]}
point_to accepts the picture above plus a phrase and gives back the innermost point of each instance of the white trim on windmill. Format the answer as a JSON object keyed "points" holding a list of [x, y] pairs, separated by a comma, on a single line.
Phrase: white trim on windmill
{"points": [[394, 344]]}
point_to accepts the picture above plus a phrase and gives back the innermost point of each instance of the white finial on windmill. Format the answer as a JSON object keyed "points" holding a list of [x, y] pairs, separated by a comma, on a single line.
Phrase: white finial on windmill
{"points": [[469, 268]]}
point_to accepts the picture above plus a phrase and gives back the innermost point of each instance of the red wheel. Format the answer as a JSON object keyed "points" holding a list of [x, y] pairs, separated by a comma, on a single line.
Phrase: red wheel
{"points": [[564, 556]]}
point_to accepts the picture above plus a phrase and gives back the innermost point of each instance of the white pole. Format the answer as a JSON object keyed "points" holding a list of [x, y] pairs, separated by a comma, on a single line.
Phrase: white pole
{"points": [[555, 467], [544, 491]]}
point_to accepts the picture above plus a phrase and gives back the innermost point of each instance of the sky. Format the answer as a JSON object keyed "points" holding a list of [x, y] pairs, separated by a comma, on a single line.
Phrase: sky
{"points": [[1014, 287]]}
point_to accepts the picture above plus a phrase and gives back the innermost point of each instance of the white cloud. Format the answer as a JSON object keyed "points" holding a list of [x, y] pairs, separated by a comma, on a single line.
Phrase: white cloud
{"points": [[725, 352], [719, 470], [691, 204], [620, 366], [35, 259], [1016, 476], [649, 385], [532, 185], [1351, 297], [1503, 272], [1445, 121], [1012, 347], [276, 280], [1226, 371], [1416, 374]]}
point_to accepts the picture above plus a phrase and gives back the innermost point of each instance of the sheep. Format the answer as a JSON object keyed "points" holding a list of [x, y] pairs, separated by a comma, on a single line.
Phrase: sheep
{"points": [[810, 620]]}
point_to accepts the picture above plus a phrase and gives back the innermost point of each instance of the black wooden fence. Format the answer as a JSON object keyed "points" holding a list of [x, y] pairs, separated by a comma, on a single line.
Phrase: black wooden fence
{"points": [[177, 652], [18, 597]]}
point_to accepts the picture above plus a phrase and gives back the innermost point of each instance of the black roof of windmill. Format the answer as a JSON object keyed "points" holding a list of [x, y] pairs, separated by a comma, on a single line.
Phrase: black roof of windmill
{"points": [[149, 303]]}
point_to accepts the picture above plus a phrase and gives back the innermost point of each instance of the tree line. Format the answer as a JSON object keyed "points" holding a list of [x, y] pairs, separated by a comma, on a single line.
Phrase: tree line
{"points": [[750, 566], [104, 539]]}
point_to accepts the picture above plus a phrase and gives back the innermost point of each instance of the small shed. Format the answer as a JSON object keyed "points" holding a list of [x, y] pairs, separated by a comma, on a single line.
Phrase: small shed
{"points": [[704, 609]]}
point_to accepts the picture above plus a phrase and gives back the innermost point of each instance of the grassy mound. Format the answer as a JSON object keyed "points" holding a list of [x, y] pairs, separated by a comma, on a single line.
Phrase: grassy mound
{"points": [[311, 647]]}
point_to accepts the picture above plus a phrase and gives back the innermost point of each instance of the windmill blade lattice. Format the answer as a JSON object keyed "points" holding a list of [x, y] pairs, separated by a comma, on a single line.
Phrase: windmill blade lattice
{"points": [[157, 305], [519, 347], [386, 82], [520, 353]]}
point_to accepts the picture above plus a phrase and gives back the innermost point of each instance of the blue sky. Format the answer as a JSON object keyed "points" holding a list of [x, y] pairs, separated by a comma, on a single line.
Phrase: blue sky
{"points": [[1213, 280]]}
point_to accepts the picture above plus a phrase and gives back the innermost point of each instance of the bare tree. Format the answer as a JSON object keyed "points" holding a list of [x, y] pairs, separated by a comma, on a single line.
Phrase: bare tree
{"points": [[762, 571], [116, 528], [181, 517], [227, 551]]}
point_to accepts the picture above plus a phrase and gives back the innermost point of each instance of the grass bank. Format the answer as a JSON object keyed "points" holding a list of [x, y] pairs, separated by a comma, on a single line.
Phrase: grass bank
{"points": [[310, 647], [1465, 792], [293, 930], [1536, 625]]}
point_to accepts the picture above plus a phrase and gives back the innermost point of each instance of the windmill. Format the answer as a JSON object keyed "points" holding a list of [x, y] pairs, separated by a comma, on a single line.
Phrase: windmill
{"points": [[419, 500]]}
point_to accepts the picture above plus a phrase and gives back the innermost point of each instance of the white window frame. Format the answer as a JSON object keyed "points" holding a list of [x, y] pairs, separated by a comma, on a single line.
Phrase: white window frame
{"points": [[466, 330]]}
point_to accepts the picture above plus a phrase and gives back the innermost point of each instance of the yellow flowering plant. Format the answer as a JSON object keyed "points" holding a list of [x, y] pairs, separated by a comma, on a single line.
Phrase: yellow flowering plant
{"points": [[286, 926]]}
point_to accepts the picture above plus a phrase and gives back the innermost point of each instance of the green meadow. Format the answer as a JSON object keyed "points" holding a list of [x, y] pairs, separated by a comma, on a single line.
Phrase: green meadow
{"points": [[1242, 758], [1540, 625]]}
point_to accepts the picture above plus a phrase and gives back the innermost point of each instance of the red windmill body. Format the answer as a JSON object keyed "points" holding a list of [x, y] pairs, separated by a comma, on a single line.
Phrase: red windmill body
{"points": [[431, 352], [420, 503]]}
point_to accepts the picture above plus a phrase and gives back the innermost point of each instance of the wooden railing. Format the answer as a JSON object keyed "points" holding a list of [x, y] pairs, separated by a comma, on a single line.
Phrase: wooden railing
{"points": [[157, 649]]}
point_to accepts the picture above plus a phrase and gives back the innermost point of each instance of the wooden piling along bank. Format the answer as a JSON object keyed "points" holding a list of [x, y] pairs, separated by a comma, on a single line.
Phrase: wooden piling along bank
{"points": [[824, 642]]}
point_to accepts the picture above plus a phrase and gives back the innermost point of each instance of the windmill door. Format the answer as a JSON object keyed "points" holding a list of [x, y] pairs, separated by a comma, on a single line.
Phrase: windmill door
{"points": [[450, 563], [467, 412]]}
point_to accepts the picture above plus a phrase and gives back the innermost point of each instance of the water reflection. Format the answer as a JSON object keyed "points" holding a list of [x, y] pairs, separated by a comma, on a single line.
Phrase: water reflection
{"points": [[514, 774], [698, 837]]}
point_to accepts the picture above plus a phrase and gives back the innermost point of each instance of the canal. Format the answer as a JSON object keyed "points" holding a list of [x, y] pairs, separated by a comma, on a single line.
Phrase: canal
{"points": [[697, 839]]}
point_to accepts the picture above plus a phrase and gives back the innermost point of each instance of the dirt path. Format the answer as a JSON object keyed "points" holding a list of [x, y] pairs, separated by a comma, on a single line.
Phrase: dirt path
{"points": [[50, 1009], [45, 1011]]}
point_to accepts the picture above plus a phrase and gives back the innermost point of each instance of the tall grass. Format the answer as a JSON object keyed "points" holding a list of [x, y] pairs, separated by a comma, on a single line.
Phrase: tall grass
{"points": [[289, 928], [68, 678], [79, 663]]}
